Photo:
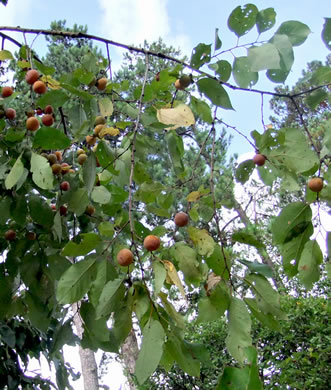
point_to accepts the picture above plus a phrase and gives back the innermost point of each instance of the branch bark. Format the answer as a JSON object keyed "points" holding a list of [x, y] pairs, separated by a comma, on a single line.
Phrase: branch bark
{"points": [[80, 35], [129, 352], [87, 357]]}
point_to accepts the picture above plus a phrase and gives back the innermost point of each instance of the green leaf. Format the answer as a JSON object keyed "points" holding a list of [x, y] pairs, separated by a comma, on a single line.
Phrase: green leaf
{"points": [[285, 50], [105, 302], [238, 338], [7, 335], [214, 91], [259, 268], [213, 306], [246, 237], [185, 357], [44, 69], [265, 20], [56, 98], [5, 55], [315, 98], [200, 55], [263, 57], [42, 173], [89, 241], [326, 33], [291, 222], [222, 68], [106, 229], [219, 262], [310, 259], [266, 319], [266, 297], [176, 151], [78, 201], [322, 75], [295, 153], [76, 281], [100, 195], [244, 171], [160, 274], [38, 313], [187, 262], [202, 240], [40, 211], [245, 378], [15, 174], [89, 172], [292, 250], [296, 31], [242, 19], [151, 350], [218, 42], [49, 138], [201, 109], [243, 74]]}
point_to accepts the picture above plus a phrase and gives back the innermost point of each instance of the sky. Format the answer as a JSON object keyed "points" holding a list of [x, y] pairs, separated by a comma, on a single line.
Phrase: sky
{"points": [[182, 24]]}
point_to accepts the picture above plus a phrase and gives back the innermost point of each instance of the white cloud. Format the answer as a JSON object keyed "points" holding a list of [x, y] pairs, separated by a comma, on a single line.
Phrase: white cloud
{"points": [[132, 22]]}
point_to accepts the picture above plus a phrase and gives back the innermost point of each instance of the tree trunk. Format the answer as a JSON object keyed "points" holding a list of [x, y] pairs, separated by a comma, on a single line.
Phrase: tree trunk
{"points": [[87, 358], [129, 354]]}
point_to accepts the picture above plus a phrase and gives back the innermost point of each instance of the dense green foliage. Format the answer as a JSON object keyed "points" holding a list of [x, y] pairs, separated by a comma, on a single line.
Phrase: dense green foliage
{"points": [[296, 357], [157, 152]]}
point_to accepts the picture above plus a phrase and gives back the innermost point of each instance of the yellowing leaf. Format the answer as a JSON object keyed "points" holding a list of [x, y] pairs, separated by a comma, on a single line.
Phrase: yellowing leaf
{"points": [[193, 196], [113, 131], [106, 106], [51, 83], [202, 240], [212, 281], [173, 276], [5, 55], [178, 116]]}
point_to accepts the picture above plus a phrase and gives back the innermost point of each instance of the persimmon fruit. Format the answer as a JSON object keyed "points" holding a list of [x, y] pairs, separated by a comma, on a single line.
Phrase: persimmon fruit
{"points": [[32, 76], [102, 84], [90, 140], [181, 219], [32, 123], [151, 242], [63, 210], [124, 257], [90, 210], [10, 113], [10, 235], [65, 185], [48, 109], [39, 87], [315, 184], [259, 159], [47, 120], [6, 92], [81, 158]]}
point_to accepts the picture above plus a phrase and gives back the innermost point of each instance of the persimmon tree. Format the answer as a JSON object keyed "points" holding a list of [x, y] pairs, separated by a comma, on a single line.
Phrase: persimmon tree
{"points": [[64, 218]]}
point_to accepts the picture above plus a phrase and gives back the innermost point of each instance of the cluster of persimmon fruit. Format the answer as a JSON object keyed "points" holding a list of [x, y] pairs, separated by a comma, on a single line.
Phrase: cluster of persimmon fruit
{"points": [[151, 242], [59, 168], [315, 184]]}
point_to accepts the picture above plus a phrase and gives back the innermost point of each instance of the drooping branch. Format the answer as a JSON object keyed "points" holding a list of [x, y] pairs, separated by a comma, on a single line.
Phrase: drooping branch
{"points": [[80, 35]]}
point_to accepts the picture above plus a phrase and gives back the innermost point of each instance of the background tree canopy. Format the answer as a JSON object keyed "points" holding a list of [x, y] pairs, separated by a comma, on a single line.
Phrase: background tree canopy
{"points": [[96, 166]]}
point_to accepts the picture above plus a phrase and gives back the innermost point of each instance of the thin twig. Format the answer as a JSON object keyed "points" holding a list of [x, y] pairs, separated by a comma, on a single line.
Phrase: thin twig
{"points": [[305, 126], [133, 143], [236, 130], [143, 51]]}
